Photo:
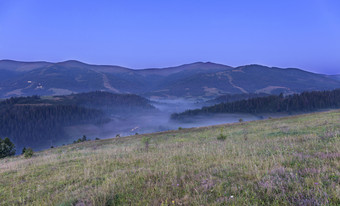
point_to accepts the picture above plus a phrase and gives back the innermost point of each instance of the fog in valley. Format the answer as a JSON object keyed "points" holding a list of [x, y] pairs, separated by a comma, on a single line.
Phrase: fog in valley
{"points": [[157, 121], [54, 121]]}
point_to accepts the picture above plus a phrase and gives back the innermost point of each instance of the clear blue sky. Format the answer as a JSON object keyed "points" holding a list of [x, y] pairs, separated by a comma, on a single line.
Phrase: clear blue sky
{"points": [[159, 33]]}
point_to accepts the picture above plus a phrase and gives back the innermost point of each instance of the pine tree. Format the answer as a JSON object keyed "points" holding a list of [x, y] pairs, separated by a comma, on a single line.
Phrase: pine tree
{"points": [[23, 150]]}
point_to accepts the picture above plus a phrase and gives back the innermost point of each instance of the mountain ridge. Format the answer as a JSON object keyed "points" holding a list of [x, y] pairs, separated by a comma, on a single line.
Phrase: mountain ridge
{"points": [[193, 80]]}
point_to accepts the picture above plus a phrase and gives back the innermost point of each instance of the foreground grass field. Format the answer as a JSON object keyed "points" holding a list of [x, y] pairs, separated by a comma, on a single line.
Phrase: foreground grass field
{"points": [[287, 161]]}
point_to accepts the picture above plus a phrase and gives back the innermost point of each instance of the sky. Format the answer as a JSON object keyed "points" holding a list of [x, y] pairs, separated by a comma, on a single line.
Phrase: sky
{"points": [[145, 34]]}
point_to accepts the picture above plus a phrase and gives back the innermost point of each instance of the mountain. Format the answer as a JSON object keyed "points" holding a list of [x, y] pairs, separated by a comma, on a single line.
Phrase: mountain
{"points": [[196, 80], [16, 66]]}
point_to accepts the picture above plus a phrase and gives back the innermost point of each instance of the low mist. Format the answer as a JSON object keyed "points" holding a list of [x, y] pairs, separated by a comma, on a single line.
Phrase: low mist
{"points": [[141, 123]]}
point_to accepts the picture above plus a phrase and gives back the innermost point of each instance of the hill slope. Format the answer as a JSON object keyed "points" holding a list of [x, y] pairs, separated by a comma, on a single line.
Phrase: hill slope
{"points": [[336, 77], [42, 122], [287, 161], [195, 80]]}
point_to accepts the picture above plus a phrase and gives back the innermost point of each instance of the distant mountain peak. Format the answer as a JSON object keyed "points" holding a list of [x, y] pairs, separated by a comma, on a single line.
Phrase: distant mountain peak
{"points": [[252, 65], [72, 63], [206, 64]]}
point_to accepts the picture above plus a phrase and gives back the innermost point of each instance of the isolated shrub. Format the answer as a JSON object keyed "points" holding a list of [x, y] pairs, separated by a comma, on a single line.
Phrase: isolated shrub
{"points": [[7, 148], [28, 153], [83, 139], [180, 128], [97, 138], [117, 135], [221, 136], [240, 120]]}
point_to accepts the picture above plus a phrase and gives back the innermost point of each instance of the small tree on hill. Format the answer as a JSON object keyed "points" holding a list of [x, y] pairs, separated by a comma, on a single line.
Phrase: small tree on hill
{"points": [[84, 138], [7, 148], [28, 153], [23, 150]]}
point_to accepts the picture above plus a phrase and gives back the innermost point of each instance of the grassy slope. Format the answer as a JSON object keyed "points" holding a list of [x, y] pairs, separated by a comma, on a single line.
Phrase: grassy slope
{"points": [[293, 160]]}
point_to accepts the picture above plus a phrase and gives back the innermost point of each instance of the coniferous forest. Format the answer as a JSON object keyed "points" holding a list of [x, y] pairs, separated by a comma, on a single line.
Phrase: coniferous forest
{"points": [[39, 125], [235, 97], [304, 102], [39, 122]]}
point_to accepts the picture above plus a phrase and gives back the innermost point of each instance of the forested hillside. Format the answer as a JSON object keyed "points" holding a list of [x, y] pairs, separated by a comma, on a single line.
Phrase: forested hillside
{"points": [[39, 122], [304, 102], [107, 101], [235, 97], [40, 125]]}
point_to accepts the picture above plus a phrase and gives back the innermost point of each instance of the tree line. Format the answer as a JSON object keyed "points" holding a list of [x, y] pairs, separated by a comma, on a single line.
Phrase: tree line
{"points": [[41, 125], [109, 102], [236, 97], [303, 102]]}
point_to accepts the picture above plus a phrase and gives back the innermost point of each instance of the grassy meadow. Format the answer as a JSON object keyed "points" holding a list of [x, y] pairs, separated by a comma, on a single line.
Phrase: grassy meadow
{"points": [[286, 161]]}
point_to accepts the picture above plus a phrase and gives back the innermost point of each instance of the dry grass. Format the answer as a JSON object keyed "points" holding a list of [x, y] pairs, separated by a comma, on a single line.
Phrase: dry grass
{"points": [[287, 161]]}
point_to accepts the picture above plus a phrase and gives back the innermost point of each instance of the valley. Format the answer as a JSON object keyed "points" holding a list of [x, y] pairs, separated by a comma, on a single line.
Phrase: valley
{"points": [[169, 103], [51, 121]]}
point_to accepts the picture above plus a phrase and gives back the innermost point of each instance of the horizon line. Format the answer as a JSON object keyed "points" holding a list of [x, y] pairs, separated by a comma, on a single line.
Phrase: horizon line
{"points": [[165, 67]]}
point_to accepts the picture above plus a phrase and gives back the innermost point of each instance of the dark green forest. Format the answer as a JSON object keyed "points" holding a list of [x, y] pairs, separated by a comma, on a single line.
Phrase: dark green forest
{"points": [[40, 125], [304, 102], [109, 102], [39, 122], [235, 97]]}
